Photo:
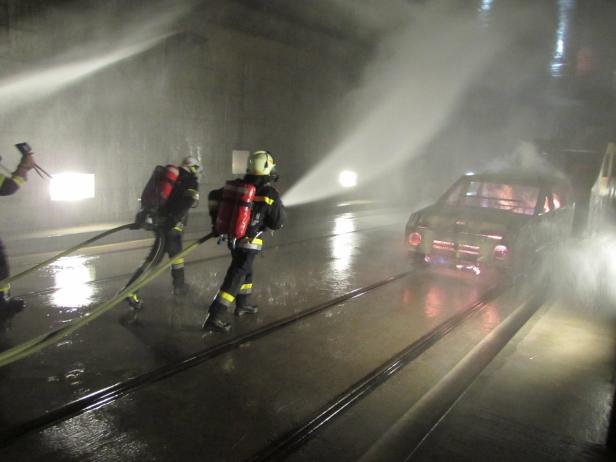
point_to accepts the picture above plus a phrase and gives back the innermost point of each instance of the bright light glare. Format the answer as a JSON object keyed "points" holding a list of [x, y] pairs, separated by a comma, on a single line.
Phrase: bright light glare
{"points": [[72, 276], [342, 246], [347, 179], [71, 186]]}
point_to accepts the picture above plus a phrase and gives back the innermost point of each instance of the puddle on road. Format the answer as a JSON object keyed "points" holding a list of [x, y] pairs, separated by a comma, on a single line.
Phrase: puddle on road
{"points": [[342, 249], [72, 280]]}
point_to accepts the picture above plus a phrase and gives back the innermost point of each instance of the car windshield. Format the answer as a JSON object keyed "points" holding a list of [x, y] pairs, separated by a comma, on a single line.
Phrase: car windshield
{"points": [[514, 198]]}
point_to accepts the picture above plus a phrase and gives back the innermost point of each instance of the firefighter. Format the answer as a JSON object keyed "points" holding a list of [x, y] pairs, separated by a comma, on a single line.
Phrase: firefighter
{"points": [[8, 186], [267, 212], [171, 217]]}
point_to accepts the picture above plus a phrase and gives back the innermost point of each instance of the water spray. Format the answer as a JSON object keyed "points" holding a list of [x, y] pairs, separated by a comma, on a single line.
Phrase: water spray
{"points": [[22, 88], [25, 87], [417, 79]]}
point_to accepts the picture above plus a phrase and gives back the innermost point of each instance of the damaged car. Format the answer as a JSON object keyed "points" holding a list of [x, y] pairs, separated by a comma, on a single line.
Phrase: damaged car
{"points": [[492, 220]]}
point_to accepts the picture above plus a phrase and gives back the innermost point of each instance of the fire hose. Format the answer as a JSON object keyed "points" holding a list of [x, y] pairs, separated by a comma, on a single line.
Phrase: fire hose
{"points": [[42, 341], [8, 280]]}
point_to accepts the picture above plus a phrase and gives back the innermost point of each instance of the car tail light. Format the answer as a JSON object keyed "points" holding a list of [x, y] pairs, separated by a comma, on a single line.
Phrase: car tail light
{"points": [[500, 252], [415, 239]]}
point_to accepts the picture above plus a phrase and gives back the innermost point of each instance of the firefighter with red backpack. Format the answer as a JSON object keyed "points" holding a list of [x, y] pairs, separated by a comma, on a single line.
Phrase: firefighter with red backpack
{"points": [[165, 202], [241, 211]]}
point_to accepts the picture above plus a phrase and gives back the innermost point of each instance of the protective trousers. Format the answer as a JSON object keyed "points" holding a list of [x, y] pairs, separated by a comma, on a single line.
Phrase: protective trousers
{"points": [[172, 246], [237, 285]]}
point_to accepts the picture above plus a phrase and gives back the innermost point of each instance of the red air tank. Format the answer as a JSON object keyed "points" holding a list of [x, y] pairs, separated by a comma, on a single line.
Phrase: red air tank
{"points": [[235, 208], [158, 188], [168, 182]]}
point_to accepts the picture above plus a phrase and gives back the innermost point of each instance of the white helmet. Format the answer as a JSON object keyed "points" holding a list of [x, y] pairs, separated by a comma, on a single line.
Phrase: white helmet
{"points": [[260, 163], [192, 164]]}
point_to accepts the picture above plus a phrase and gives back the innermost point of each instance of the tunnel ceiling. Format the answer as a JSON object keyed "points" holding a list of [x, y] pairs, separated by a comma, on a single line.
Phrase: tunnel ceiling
{"points": [[346, 19]]}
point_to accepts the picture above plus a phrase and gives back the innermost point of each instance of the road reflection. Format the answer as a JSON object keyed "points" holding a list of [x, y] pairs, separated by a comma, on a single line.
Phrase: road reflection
{"points": [[72, 277], [342, 245]]}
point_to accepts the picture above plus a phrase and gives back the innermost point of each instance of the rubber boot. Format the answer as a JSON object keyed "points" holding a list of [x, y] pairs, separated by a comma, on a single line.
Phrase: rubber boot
{"points": [[11, 304], [180, 288], [243, 306], [214, 322]]}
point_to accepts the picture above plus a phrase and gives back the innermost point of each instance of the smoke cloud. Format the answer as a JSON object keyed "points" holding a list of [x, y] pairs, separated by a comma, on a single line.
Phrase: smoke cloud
{"points": [[524, 158]]}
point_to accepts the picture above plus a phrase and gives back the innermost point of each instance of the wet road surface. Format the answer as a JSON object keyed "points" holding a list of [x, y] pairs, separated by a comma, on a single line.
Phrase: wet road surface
{"points": [[233, 405]]}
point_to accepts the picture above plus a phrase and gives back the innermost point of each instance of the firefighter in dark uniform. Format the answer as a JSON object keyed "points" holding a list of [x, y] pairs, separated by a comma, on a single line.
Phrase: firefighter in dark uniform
{"points": [[172, 218], [267, 212], [8, 186]]}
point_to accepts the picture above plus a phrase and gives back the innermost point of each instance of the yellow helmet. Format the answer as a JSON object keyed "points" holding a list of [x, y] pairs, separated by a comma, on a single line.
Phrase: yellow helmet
{"points": [[260, 163]]}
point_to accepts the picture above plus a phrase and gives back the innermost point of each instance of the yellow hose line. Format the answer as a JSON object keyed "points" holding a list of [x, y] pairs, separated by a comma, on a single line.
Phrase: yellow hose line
{"points": [[38, 343], [8, 280]]}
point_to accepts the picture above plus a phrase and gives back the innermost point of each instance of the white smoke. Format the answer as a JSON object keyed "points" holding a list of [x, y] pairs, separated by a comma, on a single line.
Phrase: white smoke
{"points": [[526, 157]]}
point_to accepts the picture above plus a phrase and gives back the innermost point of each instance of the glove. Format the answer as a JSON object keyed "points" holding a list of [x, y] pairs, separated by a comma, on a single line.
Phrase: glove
{"points": [[26, 164], [171, 222], [176, 227], [146, 219]]}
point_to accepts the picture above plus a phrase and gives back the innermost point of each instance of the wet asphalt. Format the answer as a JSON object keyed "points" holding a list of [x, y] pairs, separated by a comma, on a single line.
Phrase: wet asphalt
{"points": [[236, 404]]}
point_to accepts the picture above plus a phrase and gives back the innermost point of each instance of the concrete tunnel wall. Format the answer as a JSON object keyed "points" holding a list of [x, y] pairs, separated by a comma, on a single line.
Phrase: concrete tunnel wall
{"points": [[232, 79]]}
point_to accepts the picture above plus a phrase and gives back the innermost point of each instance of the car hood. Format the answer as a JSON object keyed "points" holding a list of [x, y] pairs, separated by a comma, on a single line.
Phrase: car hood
{"points": [[474, 220]]}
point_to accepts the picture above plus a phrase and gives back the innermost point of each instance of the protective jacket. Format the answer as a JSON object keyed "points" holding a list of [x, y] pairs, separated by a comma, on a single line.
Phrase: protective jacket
{"points": [[8, 185], [267, 211]]}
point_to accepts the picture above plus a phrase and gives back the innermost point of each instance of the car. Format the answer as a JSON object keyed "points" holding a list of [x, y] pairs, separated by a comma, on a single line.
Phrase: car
{"points": [[492, 220]]}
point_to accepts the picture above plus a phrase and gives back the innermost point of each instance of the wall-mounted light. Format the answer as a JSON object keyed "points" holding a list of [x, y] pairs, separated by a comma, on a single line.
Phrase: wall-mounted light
{"points": [[347, 179], [239, 160], [71, 186]]}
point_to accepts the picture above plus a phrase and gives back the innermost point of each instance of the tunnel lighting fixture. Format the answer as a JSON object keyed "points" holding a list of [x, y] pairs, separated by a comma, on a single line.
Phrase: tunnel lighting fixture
{"points": [[347, 179], [71, 187], [469, 173]]}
